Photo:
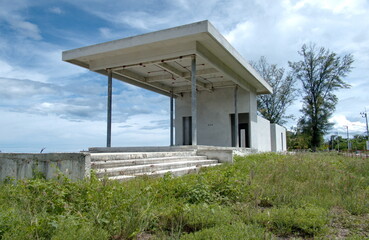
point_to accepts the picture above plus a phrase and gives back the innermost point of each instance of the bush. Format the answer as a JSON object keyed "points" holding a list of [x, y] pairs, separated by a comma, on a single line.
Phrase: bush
{"points": [[307, 221], [233, 231]]}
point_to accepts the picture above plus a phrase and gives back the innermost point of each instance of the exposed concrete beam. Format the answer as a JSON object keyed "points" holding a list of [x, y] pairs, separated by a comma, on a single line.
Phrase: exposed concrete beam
{"points": [[165, 77], [158, 86], [171, 69], [180, 74], [222, 67], [228, 84], [155, 87], [131, 75]]}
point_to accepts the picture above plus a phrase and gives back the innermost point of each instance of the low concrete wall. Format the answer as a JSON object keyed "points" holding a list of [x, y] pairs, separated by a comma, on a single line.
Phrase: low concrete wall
{"points": [[263, 132], [278, 138], [26, 165], [220, 155]]}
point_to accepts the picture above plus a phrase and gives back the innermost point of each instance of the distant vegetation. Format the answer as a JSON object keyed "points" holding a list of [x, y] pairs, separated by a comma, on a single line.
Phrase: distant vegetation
{"points": [[321, 73], [259, 197], [297, 140]]}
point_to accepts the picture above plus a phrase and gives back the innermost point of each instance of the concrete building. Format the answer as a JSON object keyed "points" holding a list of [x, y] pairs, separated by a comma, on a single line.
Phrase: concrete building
{"points": [[212, 88]]}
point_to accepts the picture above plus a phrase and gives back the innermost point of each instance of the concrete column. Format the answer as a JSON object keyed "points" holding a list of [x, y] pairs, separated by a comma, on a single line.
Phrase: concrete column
{"points": [[110, 90], [171, 119], [236, 116], [194, 100]]}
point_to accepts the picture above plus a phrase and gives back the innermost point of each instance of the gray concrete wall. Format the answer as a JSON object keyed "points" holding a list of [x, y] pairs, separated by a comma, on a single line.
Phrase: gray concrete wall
{"points": [[263, 132], [278, 138], [25, 165], [253, 125], [214, 109]]}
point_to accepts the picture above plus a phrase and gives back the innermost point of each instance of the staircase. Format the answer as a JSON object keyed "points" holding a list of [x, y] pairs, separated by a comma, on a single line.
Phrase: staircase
{"points": [[126, 165]]}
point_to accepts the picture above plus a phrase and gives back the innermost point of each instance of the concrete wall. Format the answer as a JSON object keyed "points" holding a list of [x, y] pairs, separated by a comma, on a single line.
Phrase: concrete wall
{"points": [[253, 125], [25, 165], [278, 138], [263, 134], [214, 121]]}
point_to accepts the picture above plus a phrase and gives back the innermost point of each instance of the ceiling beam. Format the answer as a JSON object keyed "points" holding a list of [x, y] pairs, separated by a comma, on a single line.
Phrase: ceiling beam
{"points": [[130, 74], [222, 67], [180, 74], [155, 87], [202, 72], [228, 84]]}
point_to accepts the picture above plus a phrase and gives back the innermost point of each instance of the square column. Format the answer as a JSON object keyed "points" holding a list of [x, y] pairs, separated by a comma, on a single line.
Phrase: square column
{"points": [[110, 90], [171, 119], [193, 100], [236, 117]]}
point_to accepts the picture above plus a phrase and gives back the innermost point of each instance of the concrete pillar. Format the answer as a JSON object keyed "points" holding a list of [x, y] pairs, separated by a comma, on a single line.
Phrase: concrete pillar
{"points": [[110, 90], [194, 100], [236, 116], [171, 119]]}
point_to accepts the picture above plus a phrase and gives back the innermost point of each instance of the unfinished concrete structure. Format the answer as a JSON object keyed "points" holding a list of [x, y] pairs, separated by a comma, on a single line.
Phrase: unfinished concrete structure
{"points": [[214, 88]]}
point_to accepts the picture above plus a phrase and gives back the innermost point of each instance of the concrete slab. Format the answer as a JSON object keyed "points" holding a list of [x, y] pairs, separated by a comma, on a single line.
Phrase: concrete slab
{"points": [[152, 60]]}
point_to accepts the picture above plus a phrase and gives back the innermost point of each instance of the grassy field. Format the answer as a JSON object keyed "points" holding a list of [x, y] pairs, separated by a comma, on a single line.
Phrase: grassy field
{"points": [[266, 196]]}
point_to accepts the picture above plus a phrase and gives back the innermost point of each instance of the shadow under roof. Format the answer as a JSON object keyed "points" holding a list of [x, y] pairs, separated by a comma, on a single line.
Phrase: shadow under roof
{"points": [[161, 61]]}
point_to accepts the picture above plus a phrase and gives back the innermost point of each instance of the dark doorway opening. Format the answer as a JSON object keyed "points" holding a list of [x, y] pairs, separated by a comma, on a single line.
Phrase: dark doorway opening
{"points": [[187, 130], [243, 130]]}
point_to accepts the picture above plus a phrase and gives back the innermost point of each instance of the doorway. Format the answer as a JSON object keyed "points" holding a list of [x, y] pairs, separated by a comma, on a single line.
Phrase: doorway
{"points": [[187, 130], [243, 130]]}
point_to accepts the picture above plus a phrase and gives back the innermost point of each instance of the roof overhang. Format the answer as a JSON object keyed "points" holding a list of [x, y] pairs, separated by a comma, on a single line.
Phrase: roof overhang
{"points": [[161, 61]]}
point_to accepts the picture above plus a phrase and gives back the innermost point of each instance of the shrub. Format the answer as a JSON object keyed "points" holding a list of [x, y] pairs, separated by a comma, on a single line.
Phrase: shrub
{"points": [[232, 231], [284, 221]]}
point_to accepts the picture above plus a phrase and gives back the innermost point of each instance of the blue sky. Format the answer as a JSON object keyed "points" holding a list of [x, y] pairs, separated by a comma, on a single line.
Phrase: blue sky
{"points": [[47, 103]]}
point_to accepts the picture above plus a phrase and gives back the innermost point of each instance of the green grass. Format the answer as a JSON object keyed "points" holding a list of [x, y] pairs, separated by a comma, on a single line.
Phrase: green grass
{"points": [[263, 196]]}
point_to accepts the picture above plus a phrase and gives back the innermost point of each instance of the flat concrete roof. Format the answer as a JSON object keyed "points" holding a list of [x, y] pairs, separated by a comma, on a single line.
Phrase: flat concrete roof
{"points": [[161, 61]]}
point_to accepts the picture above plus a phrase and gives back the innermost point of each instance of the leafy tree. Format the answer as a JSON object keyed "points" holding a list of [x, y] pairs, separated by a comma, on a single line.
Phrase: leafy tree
{"points": [[320, 72], [297, 140], [273, 106]]}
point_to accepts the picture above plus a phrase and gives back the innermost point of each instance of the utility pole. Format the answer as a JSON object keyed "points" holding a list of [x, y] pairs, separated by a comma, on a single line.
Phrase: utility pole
{"points": [[365, 115], [338, 142], [348, 139]]}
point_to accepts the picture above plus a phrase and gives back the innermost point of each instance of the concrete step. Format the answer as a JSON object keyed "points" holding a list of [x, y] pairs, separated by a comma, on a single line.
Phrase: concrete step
{"points": [[137, 155], [144, 161], [149, 168], [160, 173]]}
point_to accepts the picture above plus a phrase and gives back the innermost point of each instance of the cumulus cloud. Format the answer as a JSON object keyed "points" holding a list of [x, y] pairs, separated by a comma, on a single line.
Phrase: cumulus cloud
{"points": [[56, 10], [38, 89], [342, 123]]}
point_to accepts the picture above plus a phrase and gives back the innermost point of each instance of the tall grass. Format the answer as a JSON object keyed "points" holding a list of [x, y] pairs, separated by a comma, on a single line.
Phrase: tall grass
{"points": [[261, 196]]}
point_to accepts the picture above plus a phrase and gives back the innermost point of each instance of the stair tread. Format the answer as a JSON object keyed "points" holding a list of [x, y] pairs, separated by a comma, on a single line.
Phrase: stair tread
{"points": [[116, 169], [177, 169], [101, 162], [162, 172], [137, 155]]}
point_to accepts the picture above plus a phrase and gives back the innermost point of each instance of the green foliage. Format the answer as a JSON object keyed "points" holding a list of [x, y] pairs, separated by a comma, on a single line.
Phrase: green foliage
{"points": [[273, 106], [305, 221], [234, 231], [321, 72], [259, 196]]}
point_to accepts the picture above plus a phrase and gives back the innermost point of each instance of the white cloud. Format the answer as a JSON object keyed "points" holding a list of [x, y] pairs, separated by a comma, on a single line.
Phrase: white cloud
{"points": [[62, 103], [9, 13], [341, 123], [56, 10]]}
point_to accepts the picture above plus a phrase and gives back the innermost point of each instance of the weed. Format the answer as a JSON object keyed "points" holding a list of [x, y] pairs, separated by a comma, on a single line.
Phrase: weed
{"points": [[258, 197]]}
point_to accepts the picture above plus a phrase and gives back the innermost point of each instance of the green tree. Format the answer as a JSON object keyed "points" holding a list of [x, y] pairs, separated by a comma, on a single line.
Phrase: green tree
{"points": [[297, 140], [273, 106], [320, 72]]}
